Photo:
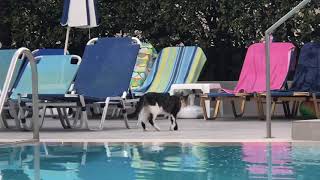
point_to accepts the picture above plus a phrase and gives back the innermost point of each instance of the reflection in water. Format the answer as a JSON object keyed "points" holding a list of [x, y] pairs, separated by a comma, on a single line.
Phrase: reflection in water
{"points": [[257, 159], [124, 161]]}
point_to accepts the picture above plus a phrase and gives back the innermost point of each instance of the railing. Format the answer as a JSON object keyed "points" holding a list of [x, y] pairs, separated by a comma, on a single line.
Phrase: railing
{"points": [[267, 46], [21, 54]]}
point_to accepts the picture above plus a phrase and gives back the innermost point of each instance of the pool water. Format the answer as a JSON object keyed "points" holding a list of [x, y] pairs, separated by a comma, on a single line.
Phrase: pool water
{"points": [[129, 161]]}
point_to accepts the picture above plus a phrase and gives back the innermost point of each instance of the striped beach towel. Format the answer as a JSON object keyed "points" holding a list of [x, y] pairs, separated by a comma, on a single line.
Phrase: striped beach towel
{"points": [[147, 55], [175, 65]]}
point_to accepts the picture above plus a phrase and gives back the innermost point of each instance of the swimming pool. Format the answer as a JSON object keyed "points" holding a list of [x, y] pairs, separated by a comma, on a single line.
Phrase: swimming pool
{"points": [[144, 161]]}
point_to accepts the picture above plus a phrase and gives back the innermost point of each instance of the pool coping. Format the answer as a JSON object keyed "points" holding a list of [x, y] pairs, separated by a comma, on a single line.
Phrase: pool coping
{"points": [[156, 140]]}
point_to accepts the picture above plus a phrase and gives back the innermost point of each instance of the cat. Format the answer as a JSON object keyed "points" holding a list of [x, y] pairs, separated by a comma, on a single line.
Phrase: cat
{"points": [[153, 104]]}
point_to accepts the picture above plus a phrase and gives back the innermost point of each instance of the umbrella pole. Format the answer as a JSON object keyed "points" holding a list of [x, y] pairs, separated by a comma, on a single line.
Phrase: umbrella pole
{"points": [[67, 40]]}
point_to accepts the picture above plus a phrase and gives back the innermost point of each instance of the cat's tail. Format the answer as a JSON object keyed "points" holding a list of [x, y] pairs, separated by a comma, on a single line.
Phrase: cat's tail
{"points": [[139, 106]]}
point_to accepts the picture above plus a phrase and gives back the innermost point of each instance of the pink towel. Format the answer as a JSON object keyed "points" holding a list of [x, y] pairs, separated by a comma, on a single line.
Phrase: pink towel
{"points": [[253, 74]]}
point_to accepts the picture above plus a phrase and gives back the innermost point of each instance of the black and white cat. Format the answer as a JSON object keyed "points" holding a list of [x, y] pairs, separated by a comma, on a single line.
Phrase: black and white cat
{"points": [[153, 104]]}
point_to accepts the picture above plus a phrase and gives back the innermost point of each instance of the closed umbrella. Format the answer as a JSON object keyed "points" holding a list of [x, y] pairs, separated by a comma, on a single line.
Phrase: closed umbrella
{"points": [[79, 14]]}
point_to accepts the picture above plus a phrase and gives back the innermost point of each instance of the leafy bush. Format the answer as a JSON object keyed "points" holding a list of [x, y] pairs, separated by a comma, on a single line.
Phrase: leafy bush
{"points": [[208, 23]]}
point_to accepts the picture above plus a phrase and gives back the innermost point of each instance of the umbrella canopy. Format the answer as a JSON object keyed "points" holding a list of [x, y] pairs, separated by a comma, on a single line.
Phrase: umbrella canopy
{"points": [[79, 14]]}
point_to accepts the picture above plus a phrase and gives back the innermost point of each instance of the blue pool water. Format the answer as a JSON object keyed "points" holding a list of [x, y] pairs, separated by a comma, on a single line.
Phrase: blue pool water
{"points": [[125, 161]]}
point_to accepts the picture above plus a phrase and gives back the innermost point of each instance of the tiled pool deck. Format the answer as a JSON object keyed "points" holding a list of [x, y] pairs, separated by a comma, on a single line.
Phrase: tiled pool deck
{"points": [[190, 130]]}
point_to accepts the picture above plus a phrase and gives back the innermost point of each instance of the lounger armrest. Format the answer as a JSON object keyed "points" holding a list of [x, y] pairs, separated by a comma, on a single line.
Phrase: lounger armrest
{"points": [[71, 95], [301, 94]]}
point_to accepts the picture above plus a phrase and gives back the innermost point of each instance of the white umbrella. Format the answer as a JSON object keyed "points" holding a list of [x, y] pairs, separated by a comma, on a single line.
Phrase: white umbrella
{"points": [[79, 14]]}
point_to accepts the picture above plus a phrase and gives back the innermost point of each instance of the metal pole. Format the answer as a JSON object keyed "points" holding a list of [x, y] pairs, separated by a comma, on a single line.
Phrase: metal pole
{"points": [[268, 102], [35, 102], [67, 40], [17, 56], [267, 47]]}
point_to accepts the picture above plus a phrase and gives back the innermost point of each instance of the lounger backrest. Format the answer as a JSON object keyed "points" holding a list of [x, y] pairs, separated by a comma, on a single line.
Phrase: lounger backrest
{"points": [[55, 75], [106, 68], [253, 73], [174, 65], [5, 60], [307, 75]]}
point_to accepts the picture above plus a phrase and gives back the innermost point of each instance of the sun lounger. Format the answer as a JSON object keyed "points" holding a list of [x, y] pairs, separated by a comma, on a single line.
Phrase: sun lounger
{"points": [[174, 65], [252, 77], [6, 57], [306, 84], [5, 60], [56, 74], [103, 78]]}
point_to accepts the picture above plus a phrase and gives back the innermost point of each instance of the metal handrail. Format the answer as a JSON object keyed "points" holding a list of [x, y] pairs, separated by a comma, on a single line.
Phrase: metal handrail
{"points": [[268, 32], [24, 52]]}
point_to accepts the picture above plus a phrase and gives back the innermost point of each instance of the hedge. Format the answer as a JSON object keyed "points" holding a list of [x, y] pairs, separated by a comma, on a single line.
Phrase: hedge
{"points": [[210, 24]]}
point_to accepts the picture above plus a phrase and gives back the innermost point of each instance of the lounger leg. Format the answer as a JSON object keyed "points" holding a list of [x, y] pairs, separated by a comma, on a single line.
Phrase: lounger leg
{"points": [[295, 112], [97, 108], [76, 119], [242, 108], [65, 112], [22, 115], [316, 107], [118, 112], [42, 116], [124, 113], [84, 116], [204, 109], [293, 108], [260, 108], [273, 107], [286, 109], [216, 109], [104, 113], [13, 112], [3, 124], [51, 112], [60, 114], [113, 112], [89, 112]]}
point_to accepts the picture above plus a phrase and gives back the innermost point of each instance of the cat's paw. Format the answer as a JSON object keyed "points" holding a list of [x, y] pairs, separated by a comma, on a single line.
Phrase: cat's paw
{"points": [[171, 128]]}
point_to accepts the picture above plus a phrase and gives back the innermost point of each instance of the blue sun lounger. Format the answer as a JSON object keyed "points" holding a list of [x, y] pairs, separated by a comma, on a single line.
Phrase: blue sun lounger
{"points": [[56, 75], [103, 78], [306, 84], [5, 60], [6, 57]]}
